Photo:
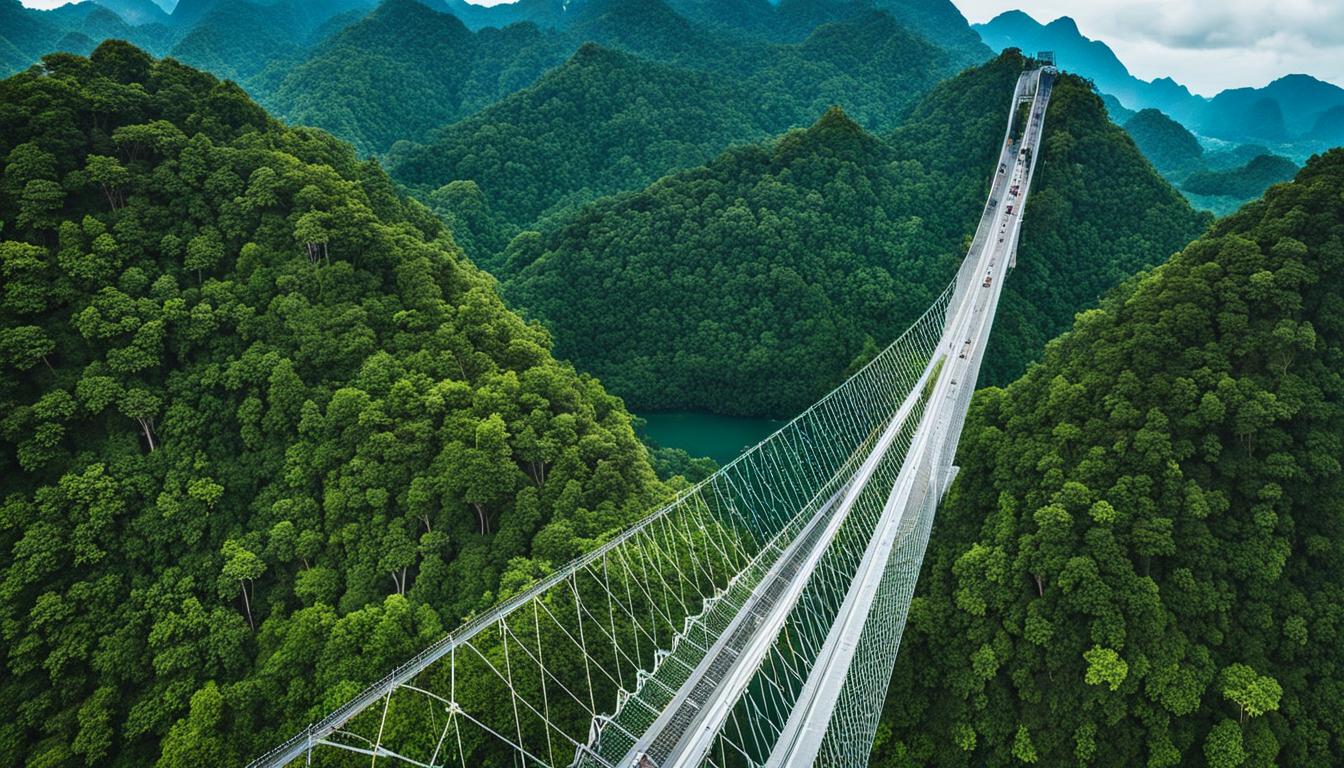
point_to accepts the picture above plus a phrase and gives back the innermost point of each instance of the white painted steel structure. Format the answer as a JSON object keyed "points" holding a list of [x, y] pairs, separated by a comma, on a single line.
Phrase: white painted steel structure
{"points": [[754, 620]]}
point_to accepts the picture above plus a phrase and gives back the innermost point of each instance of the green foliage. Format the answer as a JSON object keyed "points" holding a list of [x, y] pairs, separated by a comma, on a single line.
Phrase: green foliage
{"points": [[1023, 748], [1253, 693], [1222, 747], [405, 69], [1245, 182], [743, 270], [246, 384], [781, 264], [606, 121], [1105, 667], [1164, 493], [1173, 150]]}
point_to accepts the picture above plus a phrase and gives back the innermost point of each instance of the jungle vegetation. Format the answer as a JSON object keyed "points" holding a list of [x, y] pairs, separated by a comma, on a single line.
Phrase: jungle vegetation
{"points": [[1139, 561], [784, 263], [265, 432]]}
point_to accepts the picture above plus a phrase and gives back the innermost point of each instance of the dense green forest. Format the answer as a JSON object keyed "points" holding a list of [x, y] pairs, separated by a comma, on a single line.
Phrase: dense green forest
{"points": [[781, 264], [762, 267], [607, 121], [377, 75], [405, 69], [265, 433], [1139, 562], [1247, 181], [268, 426], [27, 34], [1220, 181], [1097, 214], [240, 39], [1173, 149]]}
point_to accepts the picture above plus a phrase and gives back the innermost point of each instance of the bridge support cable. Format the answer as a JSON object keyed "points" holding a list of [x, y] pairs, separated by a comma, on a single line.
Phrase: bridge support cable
{"points": [[563, 672], [730, 627], [835, 720]]}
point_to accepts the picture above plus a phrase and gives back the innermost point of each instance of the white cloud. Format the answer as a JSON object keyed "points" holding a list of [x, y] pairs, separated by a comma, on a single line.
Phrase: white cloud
{"points": [[1208, 45]]}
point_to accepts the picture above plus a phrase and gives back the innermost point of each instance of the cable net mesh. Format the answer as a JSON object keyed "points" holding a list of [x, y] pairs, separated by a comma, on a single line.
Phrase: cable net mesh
{"points": [[695, 637], [578, 669]]}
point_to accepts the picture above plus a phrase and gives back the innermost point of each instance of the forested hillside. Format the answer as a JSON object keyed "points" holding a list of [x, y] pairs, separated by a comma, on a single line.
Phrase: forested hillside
{"points": [[607, 121], [1220, 181], [405, 69], [765, 266], [240, 39], [264, 433], [1139, 562], [1173, 149], [781, 264], [602, 122], [27, 34], [1245, 181], [1097, 214]]}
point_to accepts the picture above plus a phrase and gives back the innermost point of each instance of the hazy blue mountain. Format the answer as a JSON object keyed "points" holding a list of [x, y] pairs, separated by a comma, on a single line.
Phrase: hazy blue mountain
{"points": [[938, 21], [187, 12], [1220, 181], [1283, 112], [1236, 156], [1092, 59], [1299, 99], [232, 38], [757, 17], [541, 12], [1120, 114], [91, 19], [238, 39], [1329, 127], [27, 34], [136, 12]]}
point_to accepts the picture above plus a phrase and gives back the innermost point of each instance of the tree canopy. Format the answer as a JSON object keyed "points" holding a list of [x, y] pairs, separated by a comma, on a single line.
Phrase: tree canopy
{"points": [[751, 284], [265, 432], [1138, 563]]}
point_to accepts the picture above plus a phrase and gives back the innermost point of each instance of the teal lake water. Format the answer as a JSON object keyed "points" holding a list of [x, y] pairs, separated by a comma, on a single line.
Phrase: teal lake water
{"points": [[721, 438]]}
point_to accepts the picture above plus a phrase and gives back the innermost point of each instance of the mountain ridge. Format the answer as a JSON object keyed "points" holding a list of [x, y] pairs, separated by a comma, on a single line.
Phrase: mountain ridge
{"points": [[1282, 111]]}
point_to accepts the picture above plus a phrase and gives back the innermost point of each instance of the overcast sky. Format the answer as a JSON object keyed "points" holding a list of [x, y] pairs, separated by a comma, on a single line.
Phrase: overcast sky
{"points": [[1208, 45]]}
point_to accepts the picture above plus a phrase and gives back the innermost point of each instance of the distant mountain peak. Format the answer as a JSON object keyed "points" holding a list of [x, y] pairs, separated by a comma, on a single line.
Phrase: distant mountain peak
{"points": [[1065, 24], [402, 12], [836, 131], [836, 119], [405, 6], [592, 53]]}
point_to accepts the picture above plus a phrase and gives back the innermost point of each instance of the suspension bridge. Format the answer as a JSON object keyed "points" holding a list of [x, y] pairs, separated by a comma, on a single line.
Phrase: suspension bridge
{"points": [[755, 620]]}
